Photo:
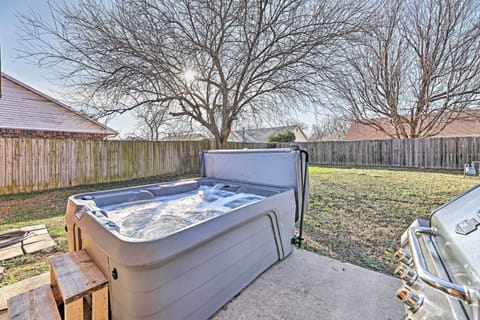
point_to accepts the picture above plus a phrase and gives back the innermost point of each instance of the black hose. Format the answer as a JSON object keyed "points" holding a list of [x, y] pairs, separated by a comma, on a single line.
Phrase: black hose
{"points": [[304, 186]]}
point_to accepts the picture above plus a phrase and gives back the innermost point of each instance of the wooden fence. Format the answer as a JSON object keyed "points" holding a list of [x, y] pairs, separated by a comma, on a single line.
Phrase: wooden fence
{"points": [[435, 153], [39, 164]]}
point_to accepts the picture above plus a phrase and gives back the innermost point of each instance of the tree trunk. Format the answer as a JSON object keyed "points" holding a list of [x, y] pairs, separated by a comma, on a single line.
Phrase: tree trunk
{"points": [[221, 142], [221, 139]]}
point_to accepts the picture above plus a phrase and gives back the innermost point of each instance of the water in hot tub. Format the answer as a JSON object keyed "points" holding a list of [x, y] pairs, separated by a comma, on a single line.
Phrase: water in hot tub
{"points": [[162, 216]]}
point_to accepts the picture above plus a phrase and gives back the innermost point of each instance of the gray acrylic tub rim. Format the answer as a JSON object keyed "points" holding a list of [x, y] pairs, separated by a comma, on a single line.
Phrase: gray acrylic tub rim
{"points": [[170, 244]]}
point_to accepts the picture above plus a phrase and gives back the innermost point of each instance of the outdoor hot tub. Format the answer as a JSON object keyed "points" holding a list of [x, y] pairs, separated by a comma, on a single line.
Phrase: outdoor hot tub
{"points": [[181, 250]]}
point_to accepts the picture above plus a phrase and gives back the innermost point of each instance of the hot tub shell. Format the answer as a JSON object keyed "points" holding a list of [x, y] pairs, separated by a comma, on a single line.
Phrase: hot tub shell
{"points": [[192, 273]]}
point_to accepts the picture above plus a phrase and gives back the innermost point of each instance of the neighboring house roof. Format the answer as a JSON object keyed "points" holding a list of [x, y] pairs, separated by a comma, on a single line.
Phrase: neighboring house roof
{"points": [[23, 107], [261, 135], [359, 131], [185, 137], [468, 124]]}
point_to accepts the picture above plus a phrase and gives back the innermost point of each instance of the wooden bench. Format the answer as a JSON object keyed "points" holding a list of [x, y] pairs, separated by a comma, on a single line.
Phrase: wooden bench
{"points": [[75, 279], [37, 303]]}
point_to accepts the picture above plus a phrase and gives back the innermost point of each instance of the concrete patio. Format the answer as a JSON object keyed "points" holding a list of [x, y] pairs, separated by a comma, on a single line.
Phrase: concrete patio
{"points": [[310, 286], [304, 286]]}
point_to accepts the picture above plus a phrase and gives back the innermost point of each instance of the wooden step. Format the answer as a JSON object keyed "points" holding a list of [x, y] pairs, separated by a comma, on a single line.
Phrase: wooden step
{"points": [[37, 303], [74, 276]]}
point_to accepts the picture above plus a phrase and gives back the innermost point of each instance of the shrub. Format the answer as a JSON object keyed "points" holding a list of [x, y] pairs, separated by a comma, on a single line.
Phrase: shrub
{"points": [[284, 136]]}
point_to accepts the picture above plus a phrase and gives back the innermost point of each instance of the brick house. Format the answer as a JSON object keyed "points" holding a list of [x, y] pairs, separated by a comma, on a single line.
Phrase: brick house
{"points": [[28, 113], [468, 124]]}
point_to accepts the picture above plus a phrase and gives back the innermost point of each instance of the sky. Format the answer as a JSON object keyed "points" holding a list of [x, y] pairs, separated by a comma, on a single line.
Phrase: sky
{"points": [[41, 78], [34, 76]]}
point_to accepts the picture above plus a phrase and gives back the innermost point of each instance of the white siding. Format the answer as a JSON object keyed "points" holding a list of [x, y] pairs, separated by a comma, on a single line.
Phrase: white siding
{"points": [[299, 135], [21, 108]]}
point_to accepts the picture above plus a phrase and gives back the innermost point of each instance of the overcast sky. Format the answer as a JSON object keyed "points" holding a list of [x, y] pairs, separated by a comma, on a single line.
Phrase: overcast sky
{"points": [[39, 78]]}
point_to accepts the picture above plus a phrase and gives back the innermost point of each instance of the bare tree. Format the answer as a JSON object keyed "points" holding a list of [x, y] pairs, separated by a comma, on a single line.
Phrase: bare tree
{"points": [[216, 61], [419, 66], [331, 127], [151, 119]]}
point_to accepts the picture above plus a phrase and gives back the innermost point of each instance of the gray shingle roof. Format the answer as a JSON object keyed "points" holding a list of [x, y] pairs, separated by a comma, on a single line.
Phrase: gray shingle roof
{"points": [[257, 135]]}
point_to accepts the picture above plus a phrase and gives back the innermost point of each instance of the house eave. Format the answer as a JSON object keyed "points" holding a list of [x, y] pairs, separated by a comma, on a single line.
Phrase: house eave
{"points": [[109, 130]]}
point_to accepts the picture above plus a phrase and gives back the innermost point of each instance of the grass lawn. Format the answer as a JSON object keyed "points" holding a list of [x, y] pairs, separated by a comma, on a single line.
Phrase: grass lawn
{"points": [[358, 215], [355, 215]]}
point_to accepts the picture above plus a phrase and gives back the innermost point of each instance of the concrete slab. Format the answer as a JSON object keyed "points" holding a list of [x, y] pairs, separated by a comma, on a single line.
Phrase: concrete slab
{"points": [[304, 286], [308, 286]]}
